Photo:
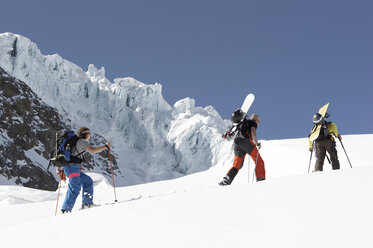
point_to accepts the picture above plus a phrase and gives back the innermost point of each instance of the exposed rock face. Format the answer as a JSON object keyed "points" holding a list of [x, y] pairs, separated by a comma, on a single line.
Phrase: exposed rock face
{"points": [[27, 134]]}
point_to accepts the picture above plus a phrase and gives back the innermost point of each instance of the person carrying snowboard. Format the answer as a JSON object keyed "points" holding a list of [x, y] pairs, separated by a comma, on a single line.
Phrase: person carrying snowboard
{"points": [[78, 179], [245, 142], [325, 142]]}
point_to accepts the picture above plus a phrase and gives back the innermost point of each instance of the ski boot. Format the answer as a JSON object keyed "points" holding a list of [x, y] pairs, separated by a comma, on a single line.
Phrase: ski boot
{"points": [[226, 181], [86, 206]]}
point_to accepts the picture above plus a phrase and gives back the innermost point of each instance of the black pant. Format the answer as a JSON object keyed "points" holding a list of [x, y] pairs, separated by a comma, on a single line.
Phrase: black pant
{"points": [[322, 147]]}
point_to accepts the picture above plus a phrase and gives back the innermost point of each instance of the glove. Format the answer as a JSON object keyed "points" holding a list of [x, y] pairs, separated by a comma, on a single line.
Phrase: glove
{"points": [[107, 145], [228, 135], [310, 149], [224, 136]]}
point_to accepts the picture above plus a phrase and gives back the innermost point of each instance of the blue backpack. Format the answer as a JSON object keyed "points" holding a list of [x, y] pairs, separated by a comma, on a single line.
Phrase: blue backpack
{"points": [[65, 143]]}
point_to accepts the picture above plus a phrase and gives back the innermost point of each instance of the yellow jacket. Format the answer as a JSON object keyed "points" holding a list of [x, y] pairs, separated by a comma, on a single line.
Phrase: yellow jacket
{"points": [[332, 130]]}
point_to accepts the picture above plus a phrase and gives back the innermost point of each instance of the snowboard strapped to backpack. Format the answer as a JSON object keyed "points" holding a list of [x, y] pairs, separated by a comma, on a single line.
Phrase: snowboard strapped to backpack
{"points": [[238, 117], [324, 132], [61, 154]]}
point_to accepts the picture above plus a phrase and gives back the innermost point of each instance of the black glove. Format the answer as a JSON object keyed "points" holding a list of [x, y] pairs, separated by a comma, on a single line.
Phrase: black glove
{"points": [[228, 135], [224, 136]]}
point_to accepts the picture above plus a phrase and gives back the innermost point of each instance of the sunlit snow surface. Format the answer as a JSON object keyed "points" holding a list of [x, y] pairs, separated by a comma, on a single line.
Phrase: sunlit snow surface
{"points": [[290, 209]]}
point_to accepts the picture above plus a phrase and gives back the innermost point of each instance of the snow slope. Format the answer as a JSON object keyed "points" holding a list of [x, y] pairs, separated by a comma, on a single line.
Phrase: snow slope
{"points": [[290, 209]]}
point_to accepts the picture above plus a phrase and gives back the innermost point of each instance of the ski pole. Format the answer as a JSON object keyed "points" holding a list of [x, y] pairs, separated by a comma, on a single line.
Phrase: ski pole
{"points": [[58, 196], [327, 157], [112, 176], [345, 152], [256, 161], [248, 172], [309, 165]]}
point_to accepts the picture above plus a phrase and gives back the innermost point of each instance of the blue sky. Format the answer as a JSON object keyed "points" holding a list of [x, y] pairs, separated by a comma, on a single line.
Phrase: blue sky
{"points": [[294, 55]]}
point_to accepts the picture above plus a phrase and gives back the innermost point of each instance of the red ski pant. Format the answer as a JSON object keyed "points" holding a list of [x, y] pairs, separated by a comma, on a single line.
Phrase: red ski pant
{"points": [[243, 146]]}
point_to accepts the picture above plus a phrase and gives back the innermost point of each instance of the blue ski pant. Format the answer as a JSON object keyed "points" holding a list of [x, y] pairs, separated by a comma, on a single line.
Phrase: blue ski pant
{"points": [[77, 180]]}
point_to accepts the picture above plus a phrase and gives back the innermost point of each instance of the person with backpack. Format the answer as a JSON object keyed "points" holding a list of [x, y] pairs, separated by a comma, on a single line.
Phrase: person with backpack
{"points": [[325, 142], [78, 179], [245, 142]]}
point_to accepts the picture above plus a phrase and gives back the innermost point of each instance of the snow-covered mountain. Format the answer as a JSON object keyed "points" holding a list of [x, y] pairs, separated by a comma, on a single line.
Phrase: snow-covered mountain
{"points": [[151, 139]]}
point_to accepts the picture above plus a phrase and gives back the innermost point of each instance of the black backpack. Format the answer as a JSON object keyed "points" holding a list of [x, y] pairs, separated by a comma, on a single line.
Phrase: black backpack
{"points": [[324, 132], [61, 154]]}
